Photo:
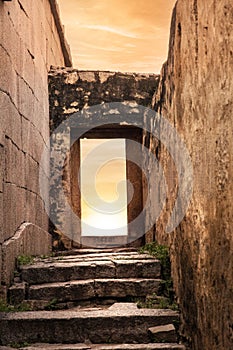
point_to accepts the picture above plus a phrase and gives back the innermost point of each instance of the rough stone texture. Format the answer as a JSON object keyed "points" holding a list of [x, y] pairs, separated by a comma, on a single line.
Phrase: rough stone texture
{"points": [[17, 293], [195, 94], [89, 313], [103, 347], [28, 240], [86, 277], [31, 40], [74, 91], [90, 289], [63, 271], [114, 324], [162, 334]]}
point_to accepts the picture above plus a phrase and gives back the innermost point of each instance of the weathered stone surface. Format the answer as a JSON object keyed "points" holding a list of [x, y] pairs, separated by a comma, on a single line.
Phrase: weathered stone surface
{"points": [[17, 293], [100, 256], [195, 95], [55, 272], [68, 291], [90, 289], [103, 347], [28, 240], [71, 90], [122, 288], [42, 272], [31, 40], [140, 347], [92, 251], [89, 311], [80, 326], [145, 269], [162, 334]]}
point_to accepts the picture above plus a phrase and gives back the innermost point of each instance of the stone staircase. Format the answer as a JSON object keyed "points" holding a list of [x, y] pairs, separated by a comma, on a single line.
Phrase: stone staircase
{"points": [[86, 299]]}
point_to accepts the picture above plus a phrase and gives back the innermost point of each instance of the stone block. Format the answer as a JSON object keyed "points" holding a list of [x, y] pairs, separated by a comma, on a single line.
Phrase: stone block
{"points": [[14, 201], [17, 293], [10, 120], [2, 167], [144, 269], [28, 240], [0, 265], [163, 334], [15, 164], [3, 293], [64, 271], [122, 288], [95, 325], [70, 291], [31, 174], [31, 207], [33, 140], [8, 81], [1, 220], [25, 98]]}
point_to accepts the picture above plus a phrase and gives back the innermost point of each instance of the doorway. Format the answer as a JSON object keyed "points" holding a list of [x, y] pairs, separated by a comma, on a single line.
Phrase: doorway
{"points": [[103, 187], [107, 217]]}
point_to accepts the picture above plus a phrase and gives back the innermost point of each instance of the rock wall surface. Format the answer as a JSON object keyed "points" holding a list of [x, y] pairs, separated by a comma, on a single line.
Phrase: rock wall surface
{"points": [[74, 91], [31, 41], [196, 95]]}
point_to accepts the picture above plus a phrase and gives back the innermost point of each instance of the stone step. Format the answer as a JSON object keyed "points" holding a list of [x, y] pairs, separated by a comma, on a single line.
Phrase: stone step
{"points": [[121, 322], [97, 251], [150, 346], [90, 289], [97, 257], [62, 271]]}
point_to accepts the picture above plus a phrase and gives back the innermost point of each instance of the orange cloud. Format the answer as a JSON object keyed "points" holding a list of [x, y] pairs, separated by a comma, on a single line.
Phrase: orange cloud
{"points": [[118, 35]]}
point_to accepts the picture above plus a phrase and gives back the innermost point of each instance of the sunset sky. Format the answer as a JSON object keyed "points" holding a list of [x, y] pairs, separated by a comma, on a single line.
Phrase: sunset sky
{"points": [[118, 35]]}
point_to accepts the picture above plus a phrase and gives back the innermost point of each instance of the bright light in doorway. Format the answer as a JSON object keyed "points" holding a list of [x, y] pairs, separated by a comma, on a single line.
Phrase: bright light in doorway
{"points": [[108, 176]]}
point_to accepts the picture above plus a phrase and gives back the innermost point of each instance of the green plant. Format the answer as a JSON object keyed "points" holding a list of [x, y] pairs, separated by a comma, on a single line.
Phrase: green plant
{"points": [[162, 254], [51, 255], [19, 345], [25, 260], [52, 305], [4, 307]]}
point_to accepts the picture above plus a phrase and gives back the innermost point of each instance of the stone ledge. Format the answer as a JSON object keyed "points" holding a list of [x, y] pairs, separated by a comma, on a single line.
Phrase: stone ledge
{"points": [[28, 240]]}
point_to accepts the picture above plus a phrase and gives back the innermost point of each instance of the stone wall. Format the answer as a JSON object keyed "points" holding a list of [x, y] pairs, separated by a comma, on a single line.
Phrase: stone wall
{"points": [[31, 40], [73, 91], [196, 95]]}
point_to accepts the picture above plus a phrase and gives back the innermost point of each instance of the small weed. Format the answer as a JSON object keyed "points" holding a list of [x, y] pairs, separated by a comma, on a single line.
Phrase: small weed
{"points": [[162, 254], [60, 258], [19, 345], [4, 307], [52, 305], [157, 303], [47, 256], [25, 260]]}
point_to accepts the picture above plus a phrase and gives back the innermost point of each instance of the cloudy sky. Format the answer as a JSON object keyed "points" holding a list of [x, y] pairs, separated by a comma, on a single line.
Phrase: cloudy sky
{"points": [[118, 35]]}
